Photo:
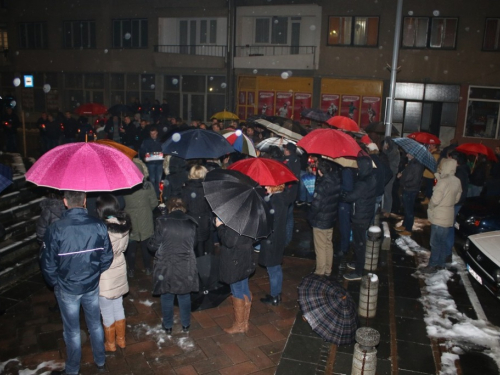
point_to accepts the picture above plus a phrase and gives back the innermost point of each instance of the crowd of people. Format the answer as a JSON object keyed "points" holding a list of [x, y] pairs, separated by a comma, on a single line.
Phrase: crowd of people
{"points": [[169, 221]]}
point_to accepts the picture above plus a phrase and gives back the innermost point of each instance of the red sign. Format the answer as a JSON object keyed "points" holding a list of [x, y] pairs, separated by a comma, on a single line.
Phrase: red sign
{"points": [[241, 112], [284, 104], [266, 103], [350, 107], [250, 111], [370, 110], [302, 101], [330, 103], [251, 98]]}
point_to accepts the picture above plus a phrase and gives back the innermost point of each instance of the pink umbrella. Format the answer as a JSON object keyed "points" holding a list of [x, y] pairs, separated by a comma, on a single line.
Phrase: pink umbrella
{"points": [[84, 167]]}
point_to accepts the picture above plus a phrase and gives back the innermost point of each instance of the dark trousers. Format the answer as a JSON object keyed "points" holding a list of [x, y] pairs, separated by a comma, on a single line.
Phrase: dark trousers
{"points": [[409, 207], [359, 243], [344, 223], [132, 250]]}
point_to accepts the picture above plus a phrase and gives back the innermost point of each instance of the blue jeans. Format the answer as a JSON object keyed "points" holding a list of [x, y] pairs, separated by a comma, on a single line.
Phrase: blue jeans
{"points": [[451, 232], [240, 289], [155, 171], [344, 226], [409, 207], [439, 241], [275, 279], [167, 309], [69, 305]]}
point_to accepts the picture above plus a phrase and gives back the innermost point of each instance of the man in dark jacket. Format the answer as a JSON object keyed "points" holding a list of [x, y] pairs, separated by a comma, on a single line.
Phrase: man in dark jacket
{"points": [[152, 155], [70, 128], [410, 179], [323, 214], [382, 174], [75, 252], [292, 162], [363, 199], [54, 132], [128, 131]]}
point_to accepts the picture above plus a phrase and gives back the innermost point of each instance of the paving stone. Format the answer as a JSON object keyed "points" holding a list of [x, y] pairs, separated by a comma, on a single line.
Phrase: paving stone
{"points": [[303, 348], [258, 358], [271, 332], [289, 366], [253, 342], [234, 352], [204, 319], [209, 347], [415, 357], [212, 364], [240, 369], [187, 358]]}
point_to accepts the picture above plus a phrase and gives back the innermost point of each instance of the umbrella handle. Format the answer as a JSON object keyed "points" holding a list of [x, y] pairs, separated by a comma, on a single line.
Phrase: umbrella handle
{"points": [[474, 165]]}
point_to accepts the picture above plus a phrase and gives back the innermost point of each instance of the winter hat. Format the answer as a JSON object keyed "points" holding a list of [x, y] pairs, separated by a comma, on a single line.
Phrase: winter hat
{"points": [[372, 147]]}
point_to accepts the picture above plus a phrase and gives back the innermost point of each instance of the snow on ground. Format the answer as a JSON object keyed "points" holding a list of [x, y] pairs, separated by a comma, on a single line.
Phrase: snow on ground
{"points": [[443, 319], [48, 366], [147, 302], [158, 334]]}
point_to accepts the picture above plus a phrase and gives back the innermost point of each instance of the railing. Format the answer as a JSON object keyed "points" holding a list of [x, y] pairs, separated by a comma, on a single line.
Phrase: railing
{"points": [[193, 49], [246, 51]]}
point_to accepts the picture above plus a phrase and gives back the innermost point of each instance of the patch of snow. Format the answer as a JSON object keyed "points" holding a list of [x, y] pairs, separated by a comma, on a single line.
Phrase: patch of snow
{"points": [[147, 302]]}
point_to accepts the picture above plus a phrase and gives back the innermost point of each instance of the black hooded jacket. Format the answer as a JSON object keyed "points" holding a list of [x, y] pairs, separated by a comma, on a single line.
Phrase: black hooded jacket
{"points": [[324, 207], [364, 193]]}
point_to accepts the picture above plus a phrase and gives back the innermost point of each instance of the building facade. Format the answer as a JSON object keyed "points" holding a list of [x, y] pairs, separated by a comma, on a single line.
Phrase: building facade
{"points": [[262, 56]]}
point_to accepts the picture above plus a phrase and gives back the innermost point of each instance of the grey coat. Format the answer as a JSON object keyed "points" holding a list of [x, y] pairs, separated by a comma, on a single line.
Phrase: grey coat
{"points": [[139, 204]]}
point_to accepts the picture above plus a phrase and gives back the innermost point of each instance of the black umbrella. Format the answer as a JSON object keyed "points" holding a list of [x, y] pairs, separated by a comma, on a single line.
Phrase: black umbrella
{"points": [[379, 128], [119, 109], [197, 144], [329, 309], [238, 201]]}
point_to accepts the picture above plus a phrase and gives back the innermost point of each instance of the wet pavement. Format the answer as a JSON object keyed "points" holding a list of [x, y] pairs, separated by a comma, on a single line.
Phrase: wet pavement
{"points": [[278, 341]]}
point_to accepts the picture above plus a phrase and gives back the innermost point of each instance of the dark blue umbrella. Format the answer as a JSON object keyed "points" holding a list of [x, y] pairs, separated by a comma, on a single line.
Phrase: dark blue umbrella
{"points": [[315, 114], [418, 151], [197, 144], [5, 177]]}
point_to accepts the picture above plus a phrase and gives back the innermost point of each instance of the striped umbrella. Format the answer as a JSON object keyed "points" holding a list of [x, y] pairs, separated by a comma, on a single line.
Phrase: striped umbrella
{"points": [[240, 142], [265, 144], [329, 309]]}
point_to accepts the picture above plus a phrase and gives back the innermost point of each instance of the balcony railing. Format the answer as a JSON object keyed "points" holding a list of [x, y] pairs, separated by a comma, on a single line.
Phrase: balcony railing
{"points": [[193, 49], [247, 51]]}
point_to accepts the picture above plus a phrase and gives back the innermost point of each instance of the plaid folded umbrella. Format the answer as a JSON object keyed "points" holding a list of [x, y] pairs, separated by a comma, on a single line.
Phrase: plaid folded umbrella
{"points": [[5, 177], [315, 114], [418, 151], [329, 309]]}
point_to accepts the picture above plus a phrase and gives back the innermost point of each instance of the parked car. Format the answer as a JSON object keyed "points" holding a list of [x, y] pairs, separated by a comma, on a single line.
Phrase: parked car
{"points": [[478, 215], [482, 256]]}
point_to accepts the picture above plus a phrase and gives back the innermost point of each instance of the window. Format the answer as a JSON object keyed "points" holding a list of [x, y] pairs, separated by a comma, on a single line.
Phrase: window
{"points": [[79, 34], [353, 31], [208, 32], [271, 30], [482, 116], [130, 33], [492, 34], [33, 35], [425, 32], [4, 42]]}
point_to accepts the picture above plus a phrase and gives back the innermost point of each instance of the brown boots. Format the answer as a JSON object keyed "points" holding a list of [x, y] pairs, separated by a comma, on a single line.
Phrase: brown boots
{"points": [[114, 335], [120, 333], [241, 315], [109, 336]]}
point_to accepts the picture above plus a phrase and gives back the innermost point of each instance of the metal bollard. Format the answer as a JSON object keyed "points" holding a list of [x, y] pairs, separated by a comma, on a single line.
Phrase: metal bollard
{"points": [[368, 296], [364, 361], [373, 248]]}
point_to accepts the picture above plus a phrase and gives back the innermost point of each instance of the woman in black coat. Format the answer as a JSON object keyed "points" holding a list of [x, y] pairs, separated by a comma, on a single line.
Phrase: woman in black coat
{"points": [[198, 208], [175, 272], [323, 214], [236, 265], [273, 247]]}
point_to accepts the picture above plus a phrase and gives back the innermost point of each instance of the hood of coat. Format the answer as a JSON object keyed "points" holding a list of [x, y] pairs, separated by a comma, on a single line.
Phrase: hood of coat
{"points": [[365, 166], [120, 224], [447, 167], [54, 204]]}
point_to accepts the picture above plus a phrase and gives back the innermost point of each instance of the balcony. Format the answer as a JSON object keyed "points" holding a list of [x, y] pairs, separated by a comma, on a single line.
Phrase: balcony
{"points": [[275, 57], [193, 49]]}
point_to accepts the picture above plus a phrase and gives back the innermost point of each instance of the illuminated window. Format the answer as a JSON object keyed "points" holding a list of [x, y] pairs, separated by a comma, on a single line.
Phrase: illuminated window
{"points": [[425, 32], [353, 31]]}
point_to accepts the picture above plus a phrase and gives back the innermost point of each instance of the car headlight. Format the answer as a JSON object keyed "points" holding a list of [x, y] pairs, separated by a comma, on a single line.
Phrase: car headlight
{"points": [[467, 245]]}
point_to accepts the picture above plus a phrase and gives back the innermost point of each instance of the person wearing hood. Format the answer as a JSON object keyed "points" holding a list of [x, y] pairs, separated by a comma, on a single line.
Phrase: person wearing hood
{"points": [[293, 163], [363, 199], [175, 270], [441, 213], [113, 283], [323, 215], [176, 176]]}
